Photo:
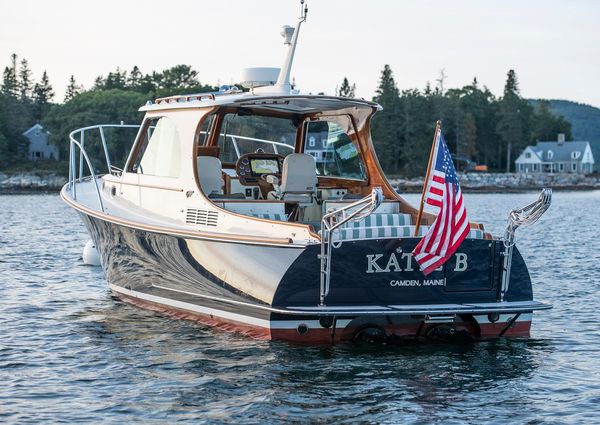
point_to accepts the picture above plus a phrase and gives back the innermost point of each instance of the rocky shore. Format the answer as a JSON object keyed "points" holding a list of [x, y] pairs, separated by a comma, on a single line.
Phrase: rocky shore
{"points": [[31, 182], [471, 182], [508, 182]]}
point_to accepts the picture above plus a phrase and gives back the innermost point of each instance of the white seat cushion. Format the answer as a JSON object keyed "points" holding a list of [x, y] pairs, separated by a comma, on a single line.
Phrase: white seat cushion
{"points": [[209, 174], [299, 177]]}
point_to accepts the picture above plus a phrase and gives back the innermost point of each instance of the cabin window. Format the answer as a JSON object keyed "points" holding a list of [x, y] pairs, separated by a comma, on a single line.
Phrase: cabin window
{"points": [[561, 166], [549, 154], [159, 152], [205, 130], [574, 166], [242, 134], [527, 154], [575, 155], [339, 156]]}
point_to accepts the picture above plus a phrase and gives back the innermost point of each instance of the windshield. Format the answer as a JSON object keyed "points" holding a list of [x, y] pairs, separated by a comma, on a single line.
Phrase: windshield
{"points": [[242, 134], [329, 141]]}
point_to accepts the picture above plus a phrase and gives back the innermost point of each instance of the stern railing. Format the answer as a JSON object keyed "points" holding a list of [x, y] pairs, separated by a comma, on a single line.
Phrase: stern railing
{"points": [[520, 217], [78, 154], [332, 220]]}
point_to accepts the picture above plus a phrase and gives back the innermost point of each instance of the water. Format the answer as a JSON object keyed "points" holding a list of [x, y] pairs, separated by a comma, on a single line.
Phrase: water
{"points": [[70, 352]]}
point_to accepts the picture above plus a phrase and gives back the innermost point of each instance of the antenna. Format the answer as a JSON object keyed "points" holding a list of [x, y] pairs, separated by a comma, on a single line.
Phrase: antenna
{"points": [[290, 39]]}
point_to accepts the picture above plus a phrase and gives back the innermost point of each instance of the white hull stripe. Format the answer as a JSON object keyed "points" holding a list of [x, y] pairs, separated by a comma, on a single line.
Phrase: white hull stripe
{"points": [[193, 307], [226, 315]]}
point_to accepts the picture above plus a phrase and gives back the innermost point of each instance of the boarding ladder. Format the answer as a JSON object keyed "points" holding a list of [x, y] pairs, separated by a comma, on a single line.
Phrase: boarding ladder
{"points": [[333, 220]]}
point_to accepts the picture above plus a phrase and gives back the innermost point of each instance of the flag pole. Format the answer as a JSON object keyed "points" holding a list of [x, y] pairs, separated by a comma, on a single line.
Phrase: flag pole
{"points": [[438, 126]]}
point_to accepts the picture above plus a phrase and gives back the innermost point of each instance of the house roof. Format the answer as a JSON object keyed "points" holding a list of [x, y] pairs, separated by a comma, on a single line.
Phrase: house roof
{"points": [[33, 128], [561, 151]]}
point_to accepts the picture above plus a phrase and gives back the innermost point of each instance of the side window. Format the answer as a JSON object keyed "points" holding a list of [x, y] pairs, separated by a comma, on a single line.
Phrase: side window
{"points": [[160, 150], [336, 154], [205, 130]]}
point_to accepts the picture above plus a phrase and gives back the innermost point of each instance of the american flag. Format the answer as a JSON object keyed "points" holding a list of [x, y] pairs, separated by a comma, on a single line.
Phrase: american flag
{"points": [[451, 226]]}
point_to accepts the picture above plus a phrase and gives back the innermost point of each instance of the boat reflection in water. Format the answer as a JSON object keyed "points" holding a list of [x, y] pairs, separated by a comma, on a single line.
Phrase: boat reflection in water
{"points": [[266, 212]]}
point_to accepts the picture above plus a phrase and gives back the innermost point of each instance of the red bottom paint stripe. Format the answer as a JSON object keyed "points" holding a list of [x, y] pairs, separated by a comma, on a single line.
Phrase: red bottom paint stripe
{"points": [[322, 335]]}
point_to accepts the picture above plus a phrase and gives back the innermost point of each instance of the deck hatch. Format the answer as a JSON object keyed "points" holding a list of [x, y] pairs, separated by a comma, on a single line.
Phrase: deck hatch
{"points": [[201, 217]]}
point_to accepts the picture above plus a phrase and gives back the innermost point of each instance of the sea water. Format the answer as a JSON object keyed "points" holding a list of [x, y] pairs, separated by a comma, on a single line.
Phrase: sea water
{"points": [[70, 352]]}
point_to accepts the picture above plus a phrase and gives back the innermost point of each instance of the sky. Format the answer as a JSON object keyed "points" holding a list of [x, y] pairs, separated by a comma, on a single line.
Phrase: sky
{"points": [[554, 46]]}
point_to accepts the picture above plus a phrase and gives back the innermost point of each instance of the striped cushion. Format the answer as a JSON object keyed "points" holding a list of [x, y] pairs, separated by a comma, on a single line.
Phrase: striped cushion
{"points": [[349, 234], [276, 217], [378, 220], [383, 232]]}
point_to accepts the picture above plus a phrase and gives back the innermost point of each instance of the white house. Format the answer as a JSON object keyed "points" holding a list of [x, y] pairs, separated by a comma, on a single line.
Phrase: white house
{"points": [[39, 145], [556, 157]]}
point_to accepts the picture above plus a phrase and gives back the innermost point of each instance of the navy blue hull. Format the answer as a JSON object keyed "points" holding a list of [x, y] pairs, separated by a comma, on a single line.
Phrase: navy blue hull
{"points": [[364, 272]]}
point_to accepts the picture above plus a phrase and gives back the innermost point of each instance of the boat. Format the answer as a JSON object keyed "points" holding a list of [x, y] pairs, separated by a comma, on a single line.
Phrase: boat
{"points": [[265, 211]]}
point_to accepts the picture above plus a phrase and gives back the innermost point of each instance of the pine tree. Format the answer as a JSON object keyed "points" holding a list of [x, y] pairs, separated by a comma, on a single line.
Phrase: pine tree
{"points": [[42, 91], [10, 84], [73, 89], [346, 90], [135, 79], [513, 114], [385, 123], [25, 81], [42, 96]]}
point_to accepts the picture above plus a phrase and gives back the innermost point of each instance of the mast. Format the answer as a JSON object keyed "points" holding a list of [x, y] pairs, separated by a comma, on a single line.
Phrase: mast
{"points": [[283, 81]]}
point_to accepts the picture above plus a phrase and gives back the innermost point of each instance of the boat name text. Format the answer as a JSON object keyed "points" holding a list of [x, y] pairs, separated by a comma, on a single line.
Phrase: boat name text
{"points": [[403, 261]]}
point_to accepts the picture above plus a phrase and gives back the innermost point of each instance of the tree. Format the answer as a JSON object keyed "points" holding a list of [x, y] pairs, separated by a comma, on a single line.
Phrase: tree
{"points": [[25, 81], [440, 82], [10, 85], [546, 125], [73, 89], [385, 123], [346, 90], [514, 113], [42, 96]]}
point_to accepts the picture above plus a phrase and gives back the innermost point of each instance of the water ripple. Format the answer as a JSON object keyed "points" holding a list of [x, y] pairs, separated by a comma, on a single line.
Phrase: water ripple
{"points": [[69, 352]]}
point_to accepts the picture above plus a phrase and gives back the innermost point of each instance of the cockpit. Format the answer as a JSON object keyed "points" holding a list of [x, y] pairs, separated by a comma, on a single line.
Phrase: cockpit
{"points": [[269, 164]]}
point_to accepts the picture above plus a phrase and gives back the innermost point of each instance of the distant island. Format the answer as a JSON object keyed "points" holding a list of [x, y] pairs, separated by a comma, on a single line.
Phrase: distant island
{"points": [[478, 126]]}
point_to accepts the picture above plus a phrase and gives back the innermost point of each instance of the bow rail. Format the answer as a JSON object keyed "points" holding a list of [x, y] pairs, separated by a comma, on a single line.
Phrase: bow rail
{"points": [[76, 167]]}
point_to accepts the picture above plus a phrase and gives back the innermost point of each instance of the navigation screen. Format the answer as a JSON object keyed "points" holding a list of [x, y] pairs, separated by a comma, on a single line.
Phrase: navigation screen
{"points": [[264, 166]]}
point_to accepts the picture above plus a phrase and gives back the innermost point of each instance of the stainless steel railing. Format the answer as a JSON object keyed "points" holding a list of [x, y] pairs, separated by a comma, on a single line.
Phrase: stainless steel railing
{"points": [[76, 165], [520, 217], [332, 221]]}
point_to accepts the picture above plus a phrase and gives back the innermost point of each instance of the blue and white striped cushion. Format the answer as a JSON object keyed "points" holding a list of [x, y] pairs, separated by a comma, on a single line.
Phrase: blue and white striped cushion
{"points": [[276, 217], [378, 220], [383, 232]]}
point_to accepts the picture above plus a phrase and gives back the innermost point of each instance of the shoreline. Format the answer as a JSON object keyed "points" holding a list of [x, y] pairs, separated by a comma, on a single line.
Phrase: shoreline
{"points": [[48, 182]]}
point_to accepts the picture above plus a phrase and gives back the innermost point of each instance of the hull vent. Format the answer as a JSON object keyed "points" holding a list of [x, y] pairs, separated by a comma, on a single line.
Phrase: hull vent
{"points": [[201, 217]]}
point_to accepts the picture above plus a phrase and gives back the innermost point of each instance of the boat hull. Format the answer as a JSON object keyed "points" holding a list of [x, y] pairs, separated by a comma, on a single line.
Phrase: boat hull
{"points": [[272, 293]]}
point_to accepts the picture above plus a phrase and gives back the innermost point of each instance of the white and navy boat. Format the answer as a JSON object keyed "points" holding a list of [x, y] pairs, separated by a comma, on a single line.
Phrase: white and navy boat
{"points": [[267, 212]]}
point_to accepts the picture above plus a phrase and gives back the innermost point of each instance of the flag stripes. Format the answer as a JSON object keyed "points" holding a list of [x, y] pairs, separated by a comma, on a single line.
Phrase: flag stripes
{"points": [[451, 226]]}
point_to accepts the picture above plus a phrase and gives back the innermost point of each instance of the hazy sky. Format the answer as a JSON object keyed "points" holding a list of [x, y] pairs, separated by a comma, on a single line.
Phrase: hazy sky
{"points": [[554, 46]]}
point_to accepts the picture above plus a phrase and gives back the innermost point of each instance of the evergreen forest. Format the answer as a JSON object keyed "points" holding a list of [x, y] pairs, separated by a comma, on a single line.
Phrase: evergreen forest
{"points": [[477, 125]]}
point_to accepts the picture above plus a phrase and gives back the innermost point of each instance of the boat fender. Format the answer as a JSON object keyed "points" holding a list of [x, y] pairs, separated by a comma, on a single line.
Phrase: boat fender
{"points": [[90, 254], [370, 333]]}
